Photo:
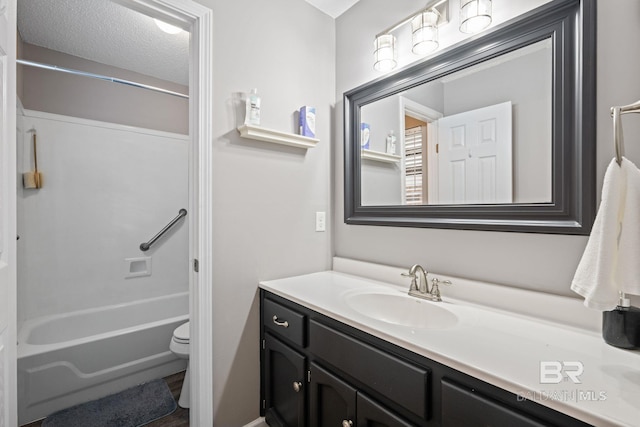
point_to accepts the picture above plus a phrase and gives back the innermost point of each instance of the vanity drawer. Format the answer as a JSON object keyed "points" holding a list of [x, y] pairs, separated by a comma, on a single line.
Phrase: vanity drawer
{"points": [[464, 406], [284, 322], [401, 382]]}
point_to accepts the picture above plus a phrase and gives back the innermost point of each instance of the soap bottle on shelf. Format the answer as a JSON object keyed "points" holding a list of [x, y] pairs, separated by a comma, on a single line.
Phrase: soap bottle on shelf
{"points": [[391, 143], [252, 116]]}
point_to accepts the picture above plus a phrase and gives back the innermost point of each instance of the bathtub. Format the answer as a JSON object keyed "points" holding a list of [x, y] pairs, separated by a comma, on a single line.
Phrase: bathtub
{"points": [[75, 357]]}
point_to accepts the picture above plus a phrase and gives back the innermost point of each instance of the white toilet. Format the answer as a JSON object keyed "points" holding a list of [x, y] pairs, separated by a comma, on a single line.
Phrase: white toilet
{"points": [[180, 347]]}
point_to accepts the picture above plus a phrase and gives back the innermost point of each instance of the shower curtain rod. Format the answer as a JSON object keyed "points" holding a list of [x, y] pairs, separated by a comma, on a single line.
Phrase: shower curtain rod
{"points": [[100, 77]]}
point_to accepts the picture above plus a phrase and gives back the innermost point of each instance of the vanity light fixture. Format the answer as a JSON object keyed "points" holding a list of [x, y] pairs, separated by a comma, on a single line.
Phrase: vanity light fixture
{"points": [[475, 15], [385, 52], [424, 34]]}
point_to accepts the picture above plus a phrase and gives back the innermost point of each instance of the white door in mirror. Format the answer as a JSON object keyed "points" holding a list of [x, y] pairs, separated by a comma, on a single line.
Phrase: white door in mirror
{"points": [[475, 156]]}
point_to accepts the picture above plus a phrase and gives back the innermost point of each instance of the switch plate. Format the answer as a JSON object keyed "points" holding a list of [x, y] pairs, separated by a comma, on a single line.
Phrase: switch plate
{"points": [[321, 221]]}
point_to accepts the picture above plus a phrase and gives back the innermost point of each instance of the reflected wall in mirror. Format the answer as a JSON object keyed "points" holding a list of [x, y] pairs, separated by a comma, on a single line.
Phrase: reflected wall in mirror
{"points": [[497, 133], [481, 135]]}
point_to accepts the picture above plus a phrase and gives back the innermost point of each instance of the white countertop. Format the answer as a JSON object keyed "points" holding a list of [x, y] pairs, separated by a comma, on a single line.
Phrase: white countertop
{"points": [[501, 348]]}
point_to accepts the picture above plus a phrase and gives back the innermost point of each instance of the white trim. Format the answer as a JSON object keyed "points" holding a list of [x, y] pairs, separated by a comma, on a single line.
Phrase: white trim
{"points": [[198, 20], [201, 288], [8, 219], [100, 124], [431, 116]]}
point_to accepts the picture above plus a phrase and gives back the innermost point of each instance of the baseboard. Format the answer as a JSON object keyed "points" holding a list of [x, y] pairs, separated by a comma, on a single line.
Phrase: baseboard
{"points": [[259, 422]]}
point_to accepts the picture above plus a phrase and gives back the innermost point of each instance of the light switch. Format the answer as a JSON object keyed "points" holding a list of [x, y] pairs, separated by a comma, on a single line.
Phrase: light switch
{"points": [[321, 221]]}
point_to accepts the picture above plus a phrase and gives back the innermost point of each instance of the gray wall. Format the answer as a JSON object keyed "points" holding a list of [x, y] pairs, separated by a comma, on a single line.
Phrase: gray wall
{"points": [[19, 54], [265, 196], [382, 182], [75, 96], [535, 261]]}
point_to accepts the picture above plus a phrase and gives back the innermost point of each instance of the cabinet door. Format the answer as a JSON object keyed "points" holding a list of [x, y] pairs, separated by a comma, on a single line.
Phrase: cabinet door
{"points": [[464, 407], [284, 384], [371, 414], [333, 402]]}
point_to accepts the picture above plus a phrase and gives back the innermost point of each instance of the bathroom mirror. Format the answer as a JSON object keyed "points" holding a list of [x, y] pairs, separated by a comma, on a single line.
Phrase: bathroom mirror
{"points": [[497, 133]]}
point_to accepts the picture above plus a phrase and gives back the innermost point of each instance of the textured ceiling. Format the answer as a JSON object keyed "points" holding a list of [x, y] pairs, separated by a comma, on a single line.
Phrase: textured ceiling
{"points": [[105, 32]]}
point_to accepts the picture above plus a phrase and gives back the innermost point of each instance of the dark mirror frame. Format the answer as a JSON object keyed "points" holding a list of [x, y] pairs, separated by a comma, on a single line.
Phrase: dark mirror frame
{"points": [[570, 24]]}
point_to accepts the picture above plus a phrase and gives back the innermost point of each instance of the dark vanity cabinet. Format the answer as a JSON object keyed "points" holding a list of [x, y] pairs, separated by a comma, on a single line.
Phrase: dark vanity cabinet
{"points": [[285, 377], [284, 367], [335, 402], [314, 375], [319, 372]]}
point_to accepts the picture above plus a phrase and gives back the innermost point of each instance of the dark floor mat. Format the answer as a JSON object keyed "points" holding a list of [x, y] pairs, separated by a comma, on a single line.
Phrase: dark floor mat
{"points": [[133, 407]]}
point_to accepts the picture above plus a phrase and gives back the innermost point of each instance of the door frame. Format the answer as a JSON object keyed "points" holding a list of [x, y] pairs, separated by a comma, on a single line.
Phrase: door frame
{"points": [[430, 116], [8, 220], [198, 20]]}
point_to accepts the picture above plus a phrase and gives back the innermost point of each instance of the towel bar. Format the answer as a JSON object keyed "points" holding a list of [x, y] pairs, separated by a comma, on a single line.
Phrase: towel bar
{"points": [[618, 139]]}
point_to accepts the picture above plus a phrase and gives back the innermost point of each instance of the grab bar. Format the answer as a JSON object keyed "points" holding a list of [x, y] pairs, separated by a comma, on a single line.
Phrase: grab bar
{"points": [[147, 245]]}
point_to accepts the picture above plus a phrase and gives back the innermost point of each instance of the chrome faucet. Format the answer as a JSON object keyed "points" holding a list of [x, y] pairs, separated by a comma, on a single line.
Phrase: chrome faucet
{"points": [[419, 286]]}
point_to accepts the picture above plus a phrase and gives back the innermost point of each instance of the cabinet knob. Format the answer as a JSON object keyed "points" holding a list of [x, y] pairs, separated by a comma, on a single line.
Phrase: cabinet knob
{"points": [[347, 423], [297, 386]]}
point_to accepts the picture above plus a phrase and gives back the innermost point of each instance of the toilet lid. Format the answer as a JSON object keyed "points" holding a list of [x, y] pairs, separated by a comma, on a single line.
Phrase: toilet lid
{"points": [[182, 332]]}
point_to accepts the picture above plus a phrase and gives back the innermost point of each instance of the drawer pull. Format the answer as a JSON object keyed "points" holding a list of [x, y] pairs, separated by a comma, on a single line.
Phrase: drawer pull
{"points": [[284, 324], [347, 423], [297, 386]]}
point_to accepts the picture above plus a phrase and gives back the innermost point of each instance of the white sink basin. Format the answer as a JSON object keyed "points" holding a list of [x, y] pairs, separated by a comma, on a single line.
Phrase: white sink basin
{"points": [[400, 309]]}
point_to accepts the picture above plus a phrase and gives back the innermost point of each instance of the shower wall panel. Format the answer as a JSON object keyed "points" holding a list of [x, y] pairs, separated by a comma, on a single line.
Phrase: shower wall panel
{"points": [[106, 189]]}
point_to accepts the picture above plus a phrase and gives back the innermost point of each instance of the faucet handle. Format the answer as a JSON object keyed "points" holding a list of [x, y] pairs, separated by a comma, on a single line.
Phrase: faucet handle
{"points": [[414, 285], [435, 290]]}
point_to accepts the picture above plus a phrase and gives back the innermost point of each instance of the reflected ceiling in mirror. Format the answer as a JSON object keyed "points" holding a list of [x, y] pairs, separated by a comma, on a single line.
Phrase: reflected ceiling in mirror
{"points": [[496, 133], [481, 135]]}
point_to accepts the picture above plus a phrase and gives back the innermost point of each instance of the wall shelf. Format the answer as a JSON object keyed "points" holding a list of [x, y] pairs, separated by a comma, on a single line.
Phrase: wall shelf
{"points": [[379, 156], [276, 137]]}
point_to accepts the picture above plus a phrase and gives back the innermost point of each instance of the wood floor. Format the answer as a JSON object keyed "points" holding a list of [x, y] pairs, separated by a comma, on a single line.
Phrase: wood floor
{"points": [[179, 417]]}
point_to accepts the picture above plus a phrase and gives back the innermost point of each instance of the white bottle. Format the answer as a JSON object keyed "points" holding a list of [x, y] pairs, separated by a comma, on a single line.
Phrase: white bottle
{"points": [[391, 143], [252, 116]]}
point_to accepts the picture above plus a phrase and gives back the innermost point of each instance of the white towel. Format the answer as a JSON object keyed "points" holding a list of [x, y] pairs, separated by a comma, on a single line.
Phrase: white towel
{"points": [[611, 260]]}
